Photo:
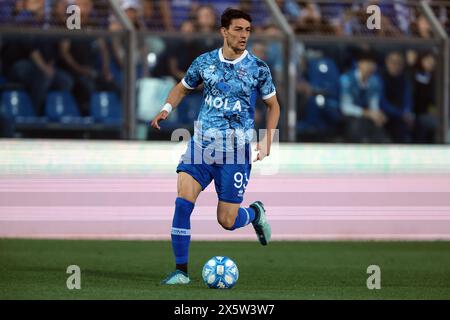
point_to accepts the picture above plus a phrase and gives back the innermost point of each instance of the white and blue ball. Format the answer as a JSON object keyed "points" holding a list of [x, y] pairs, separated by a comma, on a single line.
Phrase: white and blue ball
{"points": [[220, 273]]}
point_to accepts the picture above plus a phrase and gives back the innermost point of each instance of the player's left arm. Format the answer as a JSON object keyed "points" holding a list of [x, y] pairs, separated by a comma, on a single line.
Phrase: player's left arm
{"points": [[272, 117]]}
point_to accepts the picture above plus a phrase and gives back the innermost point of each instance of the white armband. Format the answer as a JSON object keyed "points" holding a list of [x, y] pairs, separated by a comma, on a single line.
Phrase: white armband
{"points": [[167, 107]]}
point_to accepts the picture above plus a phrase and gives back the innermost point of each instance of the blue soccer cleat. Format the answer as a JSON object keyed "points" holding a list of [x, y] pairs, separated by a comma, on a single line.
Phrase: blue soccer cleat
{"points": [[260, 224], [177, 277]]}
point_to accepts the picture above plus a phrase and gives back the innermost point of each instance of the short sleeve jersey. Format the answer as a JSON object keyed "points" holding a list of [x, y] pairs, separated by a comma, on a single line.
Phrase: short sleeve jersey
{"points": [[229, 95]]}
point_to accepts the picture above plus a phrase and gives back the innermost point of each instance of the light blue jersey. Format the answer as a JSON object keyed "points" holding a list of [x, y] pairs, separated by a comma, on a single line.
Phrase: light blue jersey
{"points": [[230, 92]]}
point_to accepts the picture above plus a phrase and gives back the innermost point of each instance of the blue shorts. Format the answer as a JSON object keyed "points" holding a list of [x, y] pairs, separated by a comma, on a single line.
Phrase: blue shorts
{"points": [[230, 180]]}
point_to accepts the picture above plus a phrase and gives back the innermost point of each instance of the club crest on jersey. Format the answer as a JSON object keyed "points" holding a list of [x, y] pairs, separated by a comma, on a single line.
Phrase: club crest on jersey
{"points": [[241, 73], [218, 102]]}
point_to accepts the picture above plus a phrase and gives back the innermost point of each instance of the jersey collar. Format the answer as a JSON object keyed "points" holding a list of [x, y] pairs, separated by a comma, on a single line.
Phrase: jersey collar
{"points": [[221, 57]]}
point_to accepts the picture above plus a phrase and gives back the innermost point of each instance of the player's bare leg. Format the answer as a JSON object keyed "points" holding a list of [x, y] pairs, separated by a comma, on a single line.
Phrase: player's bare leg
{"points": [[227, 213], [188, 190], [187, 187], [232, 216]]}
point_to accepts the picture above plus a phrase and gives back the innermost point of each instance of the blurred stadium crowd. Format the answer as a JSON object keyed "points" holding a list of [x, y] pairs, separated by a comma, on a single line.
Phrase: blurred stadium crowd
{"points": [[353, 92]]}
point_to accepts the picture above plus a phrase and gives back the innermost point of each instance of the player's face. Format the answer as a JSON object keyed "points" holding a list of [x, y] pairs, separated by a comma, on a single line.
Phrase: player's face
{"points": [[237, 34]]}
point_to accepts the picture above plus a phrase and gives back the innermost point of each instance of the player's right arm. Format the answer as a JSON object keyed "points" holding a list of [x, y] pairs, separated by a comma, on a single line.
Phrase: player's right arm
{"points": [[191, 80], [177, 94]]}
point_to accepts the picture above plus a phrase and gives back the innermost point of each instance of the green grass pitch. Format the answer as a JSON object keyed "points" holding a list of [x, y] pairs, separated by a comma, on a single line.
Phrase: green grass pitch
{"points": [[36, 269]]}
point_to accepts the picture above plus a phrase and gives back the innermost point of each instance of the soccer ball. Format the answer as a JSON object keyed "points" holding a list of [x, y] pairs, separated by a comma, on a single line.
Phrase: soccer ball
{"points": [[220, 273]]}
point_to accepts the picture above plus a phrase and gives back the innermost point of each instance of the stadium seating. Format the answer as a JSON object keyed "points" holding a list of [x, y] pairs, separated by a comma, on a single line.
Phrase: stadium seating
{"points": [[322, 108], [16, 105], [61, 107], [156, 55], [106, 108], [323, 75]]}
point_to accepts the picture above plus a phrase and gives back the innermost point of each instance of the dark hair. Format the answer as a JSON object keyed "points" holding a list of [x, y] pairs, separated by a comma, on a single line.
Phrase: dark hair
{"points": [[427, 52], [230, 14], [422, 55], [367, 55]]}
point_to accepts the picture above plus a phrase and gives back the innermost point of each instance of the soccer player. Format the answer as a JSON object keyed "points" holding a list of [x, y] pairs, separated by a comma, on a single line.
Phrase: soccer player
{"points": [[232, 78]]}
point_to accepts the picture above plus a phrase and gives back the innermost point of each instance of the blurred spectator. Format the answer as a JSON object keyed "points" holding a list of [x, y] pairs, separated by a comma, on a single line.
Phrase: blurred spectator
{"points": [[116, 45], [19, 6], [423, 65], [360, 102], [8, 10], [178, 11], [258, 11], [310, 11], [35, 67], [396, 101], [32, 13], [156, 15], [132, 9], [442, 13], [218, 6], [14, 49], [40, 74], [334, 13], [179, 63], [258, 48], [274, 55], [403, 14], [99, 13], [445, 18], [80, 57], [310, 21], [261, 14], [422, 28], [206, 20], [355, 22], [395, 16], [290, 9], [424, 99], [58, 13]]}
